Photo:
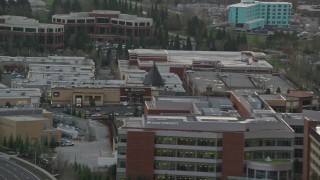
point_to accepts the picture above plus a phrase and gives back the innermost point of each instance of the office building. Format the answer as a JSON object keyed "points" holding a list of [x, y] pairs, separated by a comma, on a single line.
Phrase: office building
{"points": [[250, 15], [309, 10], [18, 29], [103, 25], [204, 147], [28, 122]]}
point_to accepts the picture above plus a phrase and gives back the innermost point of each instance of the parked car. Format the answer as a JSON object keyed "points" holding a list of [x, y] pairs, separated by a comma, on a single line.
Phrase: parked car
{"points": [[95, 115], [128, 114], [66, 143], [98, 109]]}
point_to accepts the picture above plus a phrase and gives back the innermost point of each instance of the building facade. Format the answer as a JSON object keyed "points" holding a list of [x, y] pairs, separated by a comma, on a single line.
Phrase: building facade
{"points": [[210, 148], [104, 25], [251, 15], [20, 31], [32, 123]]}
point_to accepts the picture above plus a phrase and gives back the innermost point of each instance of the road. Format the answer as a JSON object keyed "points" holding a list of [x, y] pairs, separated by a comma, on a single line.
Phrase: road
{"points": [[11, 171]]}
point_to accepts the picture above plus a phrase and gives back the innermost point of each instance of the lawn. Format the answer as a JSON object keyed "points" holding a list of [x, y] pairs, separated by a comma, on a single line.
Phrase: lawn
{"points": [[253, 40]]}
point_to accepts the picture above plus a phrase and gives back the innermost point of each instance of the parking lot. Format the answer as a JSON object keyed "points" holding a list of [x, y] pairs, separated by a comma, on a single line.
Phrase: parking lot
{"points": [[84, 152]]}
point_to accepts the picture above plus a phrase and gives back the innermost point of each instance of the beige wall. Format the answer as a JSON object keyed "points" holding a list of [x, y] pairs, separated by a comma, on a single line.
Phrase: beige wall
{"points": [[101, 95], [33, 129]]}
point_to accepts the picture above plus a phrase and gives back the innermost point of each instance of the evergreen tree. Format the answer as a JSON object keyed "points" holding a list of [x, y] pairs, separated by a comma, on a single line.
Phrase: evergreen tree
{"points": [[4, 142], [46, 144], [96, 4], [288, 90], [53, 143], [67, 6], [177, 43], [76, 7], [278, 90], [268, 91], [188, 44], [26, 145], [105, 4], [11, 142]]}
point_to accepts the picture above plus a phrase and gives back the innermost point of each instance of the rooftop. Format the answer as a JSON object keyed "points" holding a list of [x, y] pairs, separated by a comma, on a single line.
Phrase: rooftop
{"points": [[207, 123], [300, 94], [315, 8], [24, 118]]}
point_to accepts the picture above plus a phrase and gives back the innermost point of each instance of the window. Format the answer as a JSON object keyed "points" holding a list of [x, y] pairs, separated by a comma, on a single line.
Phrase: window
{"points": [[283, 142], [185, 166], [129, 23], [186, 141], [121, 22], [80, 21], [90, 20], [205, 167], [41, 30], [142, 24], [251, 173], [17, 29], [206, 142], [164, 165], [260, 174], [298, 141], [30, 30], [186, 153], [121, 163], [298, 153], [206, 154], [114, 22], [122, 138], [102, 20], [165, 152], [298, 129], [122, 150], [283, 155], [71, 21], [165, 140], [272, 174], [4, 28], [49, 30], [270, 142]]}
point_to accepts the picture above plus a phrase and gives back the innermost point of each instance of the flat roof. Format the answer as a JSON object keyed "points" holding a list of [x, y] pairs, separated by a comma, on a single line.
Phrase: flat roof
{"points": [[309, 7], [202, 78], [207, 123], [24, 118], [271, 97]]}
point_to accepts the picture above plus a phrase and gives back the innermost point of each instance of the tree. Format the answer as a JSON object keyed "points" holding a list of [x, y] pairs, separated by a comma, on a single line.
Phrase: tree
{"points": [[11, 142], [268, 91], [76, 7], [177, 43], [79, 114], [53, 143], [188, 44], [8, 104], [67, 6], [92, 102], [96, 4], [288, 90], [4, 142], [136, 112], [278, 90]]}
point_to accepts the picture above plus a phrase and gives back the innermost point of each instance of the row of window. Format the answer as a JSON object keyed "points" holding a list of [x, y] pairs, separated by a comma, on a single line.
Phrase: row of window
{"points": [[188, 141], [21, 29], [257, 155], [173, 177], [259, 174], [188, 153], [100, 21], [187, 166], [267, 142]]}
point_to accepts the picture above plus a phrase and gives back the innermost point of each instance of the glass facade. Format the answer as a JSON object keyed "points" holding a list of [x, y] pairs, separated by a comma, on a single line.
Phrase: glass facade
{"points": [[188, 141], [267, 142]]}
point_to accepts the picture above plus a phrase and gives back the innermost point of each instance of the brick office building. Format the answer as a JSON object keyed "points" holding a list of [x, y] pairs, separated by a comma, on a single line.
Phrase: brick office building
{"points": [[19, 31], [104, 25], [204, 148]]}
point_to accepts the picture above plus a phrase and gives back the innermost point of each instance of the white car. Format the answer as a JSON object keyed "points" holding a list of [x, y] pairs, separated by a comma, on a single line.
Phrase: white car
{"points": [[66, 143], [128, 114]]}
